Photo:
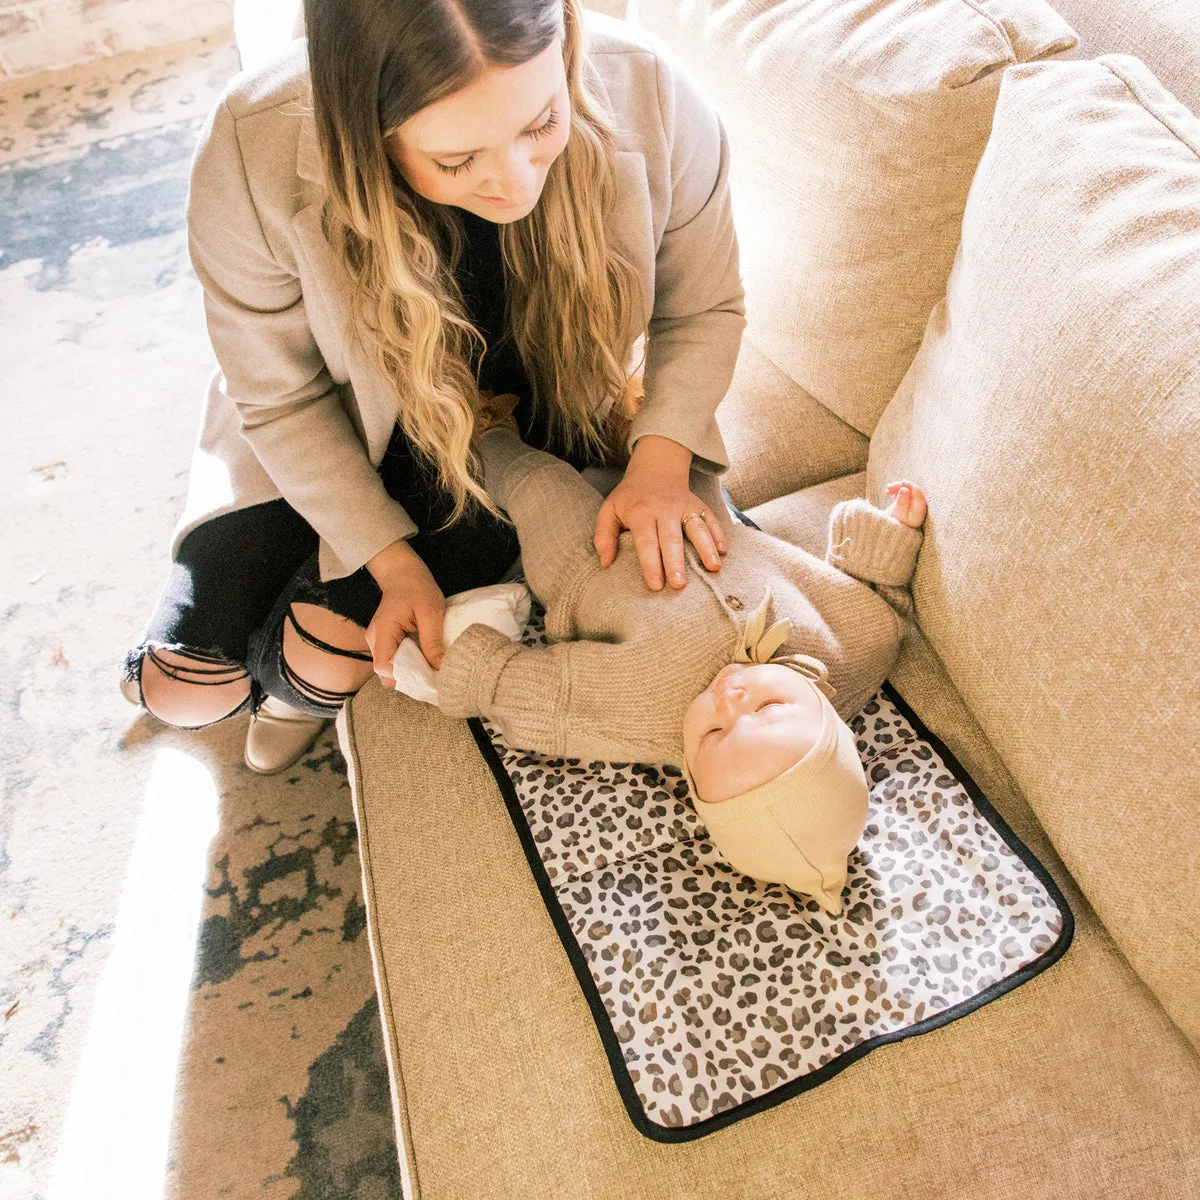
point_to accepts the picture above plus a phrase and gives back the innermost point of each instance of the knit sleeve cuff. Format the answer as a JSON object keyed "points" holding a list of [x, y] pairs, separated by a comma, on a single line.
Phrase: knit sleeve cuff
{"points": [[471, 669], [871, 545]]}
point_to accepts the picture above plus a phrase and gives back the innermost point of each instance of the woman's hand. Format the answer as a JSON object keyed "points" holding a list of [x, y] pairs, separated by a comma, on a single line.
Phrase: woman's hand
{"points": [[651, 500], [412, 602]]}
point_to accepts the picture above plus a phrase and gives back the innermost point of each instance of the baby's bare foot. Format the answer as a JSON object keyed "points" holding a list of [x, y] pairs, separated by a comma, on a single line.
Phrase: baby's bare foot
{"points": [[908, 504]]}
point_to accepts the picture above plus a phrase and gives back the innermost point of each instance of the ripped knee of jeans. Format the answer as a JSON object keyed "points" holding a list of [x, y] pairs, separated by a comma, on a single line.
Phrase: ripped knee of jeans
{"points": [[211, 662]]}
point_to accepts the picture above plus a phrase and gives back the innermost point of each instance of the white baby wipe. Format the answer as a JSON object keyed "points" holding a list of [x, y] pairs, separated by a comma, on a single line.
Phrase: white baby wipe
{"points": [[502, 606]]}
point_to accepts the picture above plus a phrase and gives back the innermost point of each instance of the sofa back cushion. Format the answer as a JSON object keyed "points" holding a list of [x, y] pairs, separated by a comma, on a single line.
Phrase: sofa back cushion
{"points": [[1164, 34], [855, 127], [1052, 415]]}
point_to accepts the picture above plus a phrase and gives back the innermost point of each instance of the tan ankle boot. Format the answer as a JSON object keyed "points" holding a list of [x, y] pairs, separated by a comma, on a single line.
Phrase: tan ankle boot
{"points": [[278, 735]]}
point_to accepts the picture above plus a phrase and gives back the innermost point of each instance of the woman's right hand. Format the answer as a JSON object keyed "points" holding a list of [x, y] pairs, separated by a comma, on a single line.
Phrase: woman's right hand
{"points": [[412, 602]]}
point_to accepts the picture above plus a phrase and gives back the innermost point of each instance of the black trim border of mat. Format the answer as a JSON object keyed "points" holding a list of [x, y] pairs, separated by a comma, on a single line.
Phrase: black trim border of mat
{"points": [[612, 1048]]}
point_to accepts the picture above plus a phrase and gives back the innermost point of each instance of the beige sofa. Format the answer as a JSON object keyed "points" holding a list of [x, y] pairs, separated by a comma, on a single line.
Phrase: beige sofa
{"points": [[972, 258]]}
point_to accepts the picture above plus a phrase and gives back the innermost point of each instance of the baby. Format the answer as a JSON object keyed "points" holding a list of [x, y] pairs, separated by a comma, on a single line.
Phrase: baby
{"points": [[708, 678]]}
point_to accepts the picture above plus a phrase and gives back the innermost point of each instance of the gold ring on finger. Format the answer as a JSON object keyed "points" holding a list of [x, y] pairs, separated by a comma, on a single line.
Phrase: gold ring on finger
{"points": [[690, 516]]}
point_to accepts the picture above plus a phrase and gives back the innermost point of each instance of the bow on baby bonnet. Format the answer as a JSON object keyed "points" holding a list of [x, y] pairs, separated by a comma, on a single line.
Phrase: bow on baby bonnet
{"points": [[759, 644]]}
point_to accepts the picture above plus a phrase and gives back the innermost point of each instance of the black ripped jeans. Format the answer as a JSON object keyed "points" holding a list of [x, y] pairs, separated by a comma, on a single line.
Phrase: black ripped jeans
{"points": [[230, 589]]}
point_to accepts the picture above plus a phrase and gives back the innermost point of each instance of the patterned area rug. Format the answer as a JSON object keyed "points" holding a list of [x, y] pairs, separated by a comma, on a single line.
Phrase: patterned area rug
{"points": [[187, 1006]]}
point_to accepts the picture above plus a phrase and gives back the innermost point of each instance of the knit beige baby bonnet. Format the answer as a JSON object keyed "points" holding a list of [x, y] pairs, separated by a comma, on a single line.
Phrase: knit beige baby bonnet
{"points": [[800, 827]]}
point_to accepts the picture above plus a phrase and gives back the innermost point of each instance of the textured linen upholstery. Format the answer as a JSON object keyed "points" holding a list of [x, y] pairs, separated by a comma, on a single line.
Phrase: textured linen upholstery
{"points": [[855, 129], [802, 518], [779, 438], [1053, 417], [1164, 34]]}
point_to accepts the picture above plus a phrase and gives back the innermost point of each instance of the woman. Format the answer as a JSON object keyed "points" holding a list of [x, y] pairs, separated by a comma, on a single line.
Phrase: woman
{"points": [[430, 203]]}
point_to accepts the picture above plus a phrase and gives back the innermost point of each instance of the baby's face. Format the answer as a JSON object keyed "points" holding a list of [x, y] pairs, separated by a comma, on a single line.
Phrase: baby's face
{"points": [[754, 721]]}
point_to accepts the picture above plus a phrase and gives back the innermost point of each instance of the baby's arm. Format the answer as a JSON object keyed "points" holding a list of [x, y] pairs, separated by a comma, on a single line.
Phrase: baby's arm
{"points": [[579, 699], [878, 547], [551, 505], [502, 606]]}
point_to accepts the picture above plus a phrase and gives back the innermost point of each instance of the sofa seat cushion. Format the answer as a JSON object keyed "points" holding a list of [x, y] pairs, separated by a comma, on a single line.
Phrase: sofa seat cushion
{"points": [[1052, 417], [854, 129], [802, 518], [780, 439], [501, 1085]]}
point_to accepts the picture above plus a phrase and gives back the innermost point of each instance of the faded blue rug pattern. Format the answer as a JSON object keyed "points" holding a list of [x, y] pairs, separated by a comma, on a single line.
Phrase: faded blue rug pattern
{"points": [[187, 1005]]}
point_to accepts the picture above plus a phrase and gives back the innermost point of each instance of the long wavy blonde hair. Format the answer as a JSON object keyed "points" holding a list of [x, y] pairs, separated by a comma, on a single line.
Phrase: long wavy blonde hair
{"points": [[570, 295]]}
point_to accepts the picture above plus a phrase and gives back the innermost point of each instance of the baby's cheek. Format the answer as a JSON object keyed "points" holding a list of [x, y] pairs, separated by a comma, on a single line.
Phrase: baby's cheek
{"points": [[689, 747]]}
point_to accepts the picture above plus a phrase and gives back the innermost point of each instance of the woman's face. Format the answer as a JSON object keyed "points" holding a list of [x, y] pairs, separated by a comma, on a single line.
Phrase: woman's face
{"points": [[494, 138]]}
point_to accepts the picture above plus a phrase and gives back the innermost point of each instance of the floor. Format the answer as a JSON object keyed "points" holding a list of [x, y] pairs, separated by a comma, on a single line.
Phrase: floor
{"points": [[186, 999]]}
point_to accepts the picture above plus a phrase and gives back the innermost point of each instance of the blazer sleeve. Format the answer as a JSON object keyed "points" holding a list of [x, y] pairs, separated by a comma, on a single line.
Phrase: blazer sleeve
{"points": [[695, 332], [271, 369]]}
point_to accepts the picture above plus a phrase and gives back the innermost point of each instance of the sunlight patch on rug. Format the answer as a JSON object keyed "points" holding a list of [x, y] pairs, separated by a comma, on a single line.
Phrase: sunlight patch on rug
{"points": [[118, 1123]]}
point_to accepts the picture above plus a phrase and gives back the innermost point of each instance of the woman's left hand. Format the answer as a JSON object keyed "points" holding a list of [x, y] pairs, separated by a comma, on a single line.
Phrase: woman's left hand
{"points": [[651, 501]]}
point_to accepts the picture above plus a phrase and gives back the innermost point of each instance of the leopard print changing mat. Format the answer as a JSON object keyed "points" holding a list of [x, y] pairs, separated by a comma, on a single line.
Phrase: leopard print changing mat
{"points": [[717, 996]]}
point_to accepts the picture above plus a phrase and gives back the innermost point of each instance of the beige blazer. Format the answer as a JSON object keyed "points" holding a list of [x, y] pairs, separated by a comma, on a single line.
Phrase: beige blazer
{"points": [[296, 409]]}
